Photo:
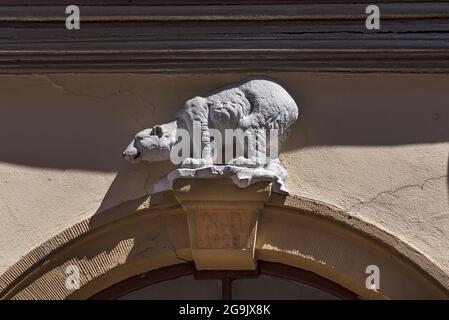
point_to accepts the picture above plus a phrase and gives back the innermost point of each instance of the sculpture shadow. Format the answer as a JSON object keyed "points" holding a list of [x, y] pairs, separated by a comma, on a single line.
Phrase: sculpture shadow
{"points": [[133, 182]]}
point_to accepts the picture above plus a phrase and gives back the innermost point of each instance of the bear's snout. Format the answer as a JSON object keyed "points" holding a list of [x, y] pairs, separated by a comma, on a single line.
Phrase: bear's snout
{"points": [[131, 153]]}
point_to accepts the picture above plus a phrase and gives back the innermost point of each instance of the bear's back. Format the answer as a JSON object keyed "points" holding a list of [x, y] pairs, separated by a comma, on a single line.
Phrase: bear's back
{"points": [[261, 102], [263, 99]]}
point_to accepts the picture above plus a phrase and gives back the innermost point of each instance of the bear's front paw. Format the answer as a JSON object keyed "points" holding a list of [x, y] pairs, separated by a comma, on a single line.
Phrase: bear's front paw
{"points": [[193, 163], [244, 162]]}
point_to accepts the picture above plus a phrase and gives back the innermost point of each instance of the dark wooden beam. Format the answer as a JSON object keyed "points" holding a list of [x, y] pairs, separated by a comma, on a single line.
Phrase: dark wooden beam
{"points": [[182, 36]]}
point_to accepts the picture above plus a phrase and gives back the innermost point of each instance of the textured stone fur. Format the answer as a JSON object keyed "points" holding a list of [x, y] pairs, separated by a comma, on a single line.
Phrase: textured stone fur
{"points": [[254, 104]]}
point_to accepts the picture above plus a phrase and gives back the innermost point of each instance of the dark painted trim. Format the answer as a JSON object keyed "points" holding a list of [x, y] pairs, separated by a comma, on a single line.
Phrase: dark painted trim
{"points": [[144, 280], [227, 276], [318, 36]]}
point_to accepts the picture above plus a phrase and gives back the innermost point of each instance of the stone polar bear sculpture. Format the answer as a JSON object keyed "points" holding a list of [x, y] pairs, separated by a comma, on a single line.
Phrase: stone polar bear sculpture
{"points": [[254, 106]]}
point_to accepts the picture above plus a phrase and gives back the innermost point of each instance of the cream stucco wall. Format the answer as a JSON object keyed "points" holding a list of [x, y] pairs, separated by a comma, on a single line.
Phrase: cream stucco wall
{"points": [[375, 145]]}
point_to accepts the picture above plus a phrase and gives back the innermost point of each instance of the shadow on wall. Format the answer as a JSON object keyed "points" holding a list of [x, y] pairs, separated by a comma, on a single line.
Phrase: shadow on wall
{"points": [[76, 122], [134, 180], [54, 129], [374, 111], [54, 133], [54, 125]]}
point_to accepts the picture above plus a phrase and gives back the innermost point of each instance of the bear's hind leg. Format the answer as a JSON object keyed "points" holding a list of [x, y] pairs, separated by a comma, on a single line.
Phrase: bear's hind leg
{"points": [[254, 150], [275, 166]]}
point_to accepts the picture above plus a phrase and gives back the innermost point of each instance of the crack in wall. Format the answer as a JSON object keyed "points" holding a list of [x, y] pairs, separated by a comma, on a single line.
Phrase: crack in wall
{"points": [[64, 89], [170, 246], [119, 92], [173, 249], [395, 190]]}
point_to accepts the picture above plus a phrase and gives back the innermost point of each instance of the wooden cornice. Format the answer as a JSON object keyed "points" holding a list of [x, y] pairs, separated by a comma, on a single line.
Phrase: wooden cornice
{"points": [[191, 36]]}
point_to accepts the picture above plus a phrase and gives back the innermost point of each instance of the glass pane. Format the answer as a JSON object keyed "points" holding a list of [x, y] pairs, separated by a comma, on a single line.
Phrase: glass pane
{"points": [[268, 287], [181, 288]]}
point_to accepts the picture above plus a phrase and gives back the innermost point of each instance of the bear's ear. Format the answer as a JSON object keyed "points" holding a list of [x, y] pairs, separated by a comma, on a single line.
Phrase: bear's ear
{"points": [[157, 130]]}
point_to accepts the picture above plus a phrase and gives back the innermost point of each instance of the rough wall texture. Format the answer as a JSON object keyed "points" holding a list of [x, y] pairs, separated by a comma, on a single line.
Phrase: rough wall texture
{"points": [[376, 145]]}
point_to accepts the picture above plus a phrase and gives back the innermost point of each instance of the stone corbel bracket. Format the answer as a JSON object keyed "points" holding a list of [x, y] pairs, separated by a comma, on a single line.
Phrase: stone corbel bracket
{"points": [[222, 221]]}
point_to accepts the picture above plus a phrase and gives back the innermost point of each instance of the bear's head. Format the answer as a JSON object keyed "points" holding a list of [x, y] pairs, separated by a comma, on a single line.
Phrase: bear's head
{"points": [[152, 144]]}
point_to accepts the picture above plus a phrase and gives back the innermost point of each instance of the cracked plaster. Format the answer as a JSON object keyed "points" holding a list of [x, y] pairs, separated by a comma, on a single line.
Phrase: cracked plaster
{"points": [[370, 144]]}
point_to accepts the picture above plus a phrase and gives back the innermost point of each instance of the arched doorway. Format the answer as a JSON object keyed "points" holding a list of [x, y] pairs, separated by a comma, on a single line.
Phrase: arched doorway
{"points": [[310, 242]]}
